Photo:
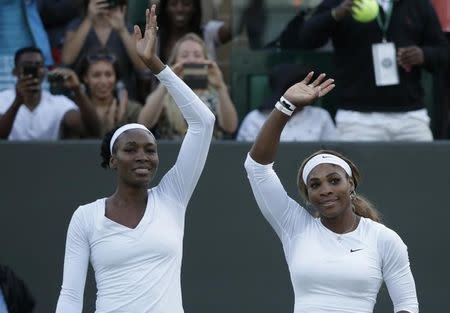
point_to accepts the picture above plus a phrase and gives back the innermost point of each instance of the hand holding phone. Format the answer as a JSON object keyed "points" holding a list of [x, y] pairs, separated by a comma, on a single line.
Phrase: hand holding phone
{"points": [[195, 75], [30, 70]]}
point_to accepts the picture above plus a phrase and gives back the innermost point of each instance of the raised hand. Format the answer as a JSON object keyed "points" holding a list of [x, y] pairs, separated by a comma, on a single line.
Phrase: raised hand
{"points": [[215, 77], [97, 7], [71, 80], [116, 18], [146, 45], [407, 57], [306, 92]]}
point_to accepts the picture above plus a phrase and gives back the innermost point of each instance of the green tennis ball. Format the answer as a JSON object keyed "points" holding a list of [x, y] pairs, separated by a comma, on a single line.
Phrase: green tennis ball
{"points": [[365, 11]]}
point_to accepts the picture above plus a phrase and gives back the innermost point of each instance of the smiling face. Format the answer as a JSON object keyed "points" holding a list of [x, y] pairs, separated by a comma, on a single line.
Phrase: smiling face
{"points": [[135, 158], [328, 188], [101, 79], [190, 51], [180, 12]]}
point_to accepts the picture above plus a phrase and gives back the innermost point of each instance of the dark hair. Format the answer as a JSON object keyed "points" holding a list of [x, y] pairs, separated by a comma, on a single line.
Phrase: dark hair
{"points": [[17, 296], [105, 153], [95, 56], [24, 50], [166, 27], [361, 205]]}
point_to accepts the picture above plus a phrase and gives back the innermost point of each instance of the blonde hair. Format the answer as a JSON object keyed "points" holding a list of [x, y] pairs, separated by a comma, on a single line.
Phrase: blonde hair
{"points": [[361, 205], [172, 112]]}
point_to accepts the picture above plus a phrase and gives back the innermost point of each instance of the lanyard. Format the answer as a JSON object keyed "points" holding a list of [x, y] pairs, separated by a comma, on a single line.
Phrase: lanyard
{"points": [[387, 19]]}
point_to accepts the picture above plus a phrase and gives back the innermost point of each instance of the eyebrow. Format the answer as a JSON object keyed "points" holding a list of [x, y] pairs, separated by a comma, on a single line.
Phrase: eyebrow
{"points": [[331, 174]]}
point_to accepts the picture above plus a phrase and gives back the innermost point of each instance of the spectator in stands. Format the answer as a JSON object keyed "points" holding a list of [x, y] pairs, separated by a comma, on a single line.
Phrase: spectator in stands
{"points": [[14, 294], [254, 21], [56, 15], [103, 26], [380, 98], [30, 113], [100, 74], [179, 17], [20, 26], [306, 124], [160, 111]]}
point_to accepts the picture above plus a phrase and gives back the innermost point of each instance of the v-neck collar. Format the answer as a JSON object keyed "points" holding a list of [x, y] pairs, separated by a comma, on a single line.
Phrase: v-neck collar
{"points": [[120, 228]]}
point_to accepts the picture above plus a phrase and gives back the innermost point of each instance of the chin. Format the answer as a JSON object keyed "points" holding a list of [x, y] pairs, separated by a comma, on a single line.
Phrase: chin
{"points": [[329, 212]]}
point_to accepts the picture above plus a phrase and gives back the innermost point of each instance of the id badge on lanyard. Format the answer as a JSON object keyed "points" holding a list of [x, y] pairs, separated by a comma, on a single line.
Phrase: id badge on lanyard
{"points": [[384, 55]]}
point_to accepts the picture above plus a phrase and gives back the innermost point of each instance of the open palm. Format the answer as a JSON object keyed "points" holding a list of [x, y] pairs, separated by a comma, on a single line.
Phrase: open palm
{"points": [[146, 45], [306, 92]]}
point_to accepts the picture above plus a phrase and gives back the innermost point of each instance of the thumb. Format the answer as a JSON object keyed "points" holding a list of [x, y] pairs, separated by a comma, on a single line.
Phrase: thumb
{"points": [[137, 33]]}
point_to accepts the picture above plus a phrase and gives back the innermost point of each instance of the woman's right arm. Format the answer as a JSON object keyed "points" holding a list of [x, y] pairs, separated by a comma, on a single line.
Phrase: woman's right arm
{"points": [[279, 209], [76, 262], [150, 113], [74, 40]]}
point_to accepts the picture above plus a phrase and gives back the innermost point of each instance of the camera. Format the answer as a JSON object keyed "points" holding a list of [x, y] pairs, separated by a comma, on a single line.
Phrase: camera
{"points": [[28, 70], [112, 3], [56, 82], [196, 75]]}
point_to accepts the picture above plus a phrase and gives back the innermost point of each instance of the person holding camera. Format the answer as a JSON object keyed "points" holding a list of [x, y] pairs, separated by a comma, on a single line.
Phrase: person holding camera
{"points": [[30, 113], [103, 25], [189, 60], [100, 73]]}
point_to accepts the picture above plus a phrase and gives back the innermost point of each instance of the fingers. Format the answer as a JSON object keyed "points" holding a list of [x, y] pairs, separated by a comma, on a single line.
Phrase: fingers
{"points": [[308, 77], [318, 80], [326, 87], [137, 33]]}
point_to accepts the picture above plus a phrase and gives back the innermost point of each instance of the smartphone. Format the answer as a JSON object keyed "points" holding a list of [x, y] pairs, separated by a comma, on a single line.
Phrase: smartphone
{"points": [[56, 83], [111, 3], [196, 75], [30, 70]]}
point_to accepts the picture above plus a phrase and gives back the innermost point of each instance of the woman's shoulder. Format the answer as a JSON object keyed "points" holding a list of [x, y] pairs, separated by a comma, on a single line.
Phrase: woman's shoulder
{"points": [[384, 236], [89, 211]]}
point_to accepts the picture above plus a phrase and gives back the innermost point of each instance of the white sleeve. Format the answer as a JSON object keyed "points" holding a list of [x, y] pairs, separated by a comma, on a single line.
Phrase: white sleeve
{"points": [[180, 181], [76, 262], [397, 272], [284, 214]]}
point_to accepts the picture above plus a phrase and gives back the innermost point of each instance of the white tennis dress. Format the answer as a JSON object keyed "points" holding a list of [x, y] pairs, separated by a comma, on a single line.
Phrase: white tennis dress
{"points": [[330, 272], [138, 270]]}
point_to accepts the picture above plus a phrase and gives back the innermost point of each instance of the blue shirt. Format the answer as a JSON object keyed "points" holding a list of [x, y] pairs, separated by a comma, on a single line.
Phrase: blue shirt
{"points": [[3, 307]]}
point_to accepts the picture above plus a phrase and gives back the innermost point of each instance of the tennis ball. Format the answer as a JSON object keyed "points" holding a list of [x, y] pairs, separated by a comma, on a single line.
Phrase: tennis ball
{"points": [[365, 11]]}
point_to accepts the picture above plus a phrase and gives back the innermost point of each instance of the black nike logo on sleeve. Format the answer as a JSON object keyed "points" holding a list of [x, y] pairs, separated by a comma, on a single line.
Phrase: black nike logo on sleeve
{"points": [[351, 250]]}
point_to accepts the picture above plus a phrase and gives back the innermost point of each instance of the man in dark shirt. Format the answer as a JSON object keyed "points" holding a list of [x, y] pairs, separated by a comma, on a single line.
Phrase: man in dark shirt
{"points": [[378, 66]]}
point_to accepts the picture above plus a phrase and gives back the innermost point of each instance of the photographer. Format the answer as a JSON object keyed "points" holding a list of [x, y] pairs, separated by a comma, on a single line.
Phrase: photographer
{"points": [[189, 61], [30, 113], [103, 25]]}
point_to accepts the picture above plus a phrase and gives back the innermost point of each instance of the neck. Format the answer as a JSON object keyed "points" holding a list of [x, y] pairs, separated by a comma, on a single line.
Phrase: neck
{"points": [[104, 102], [130, 197], [341, 224], [32, 100]]}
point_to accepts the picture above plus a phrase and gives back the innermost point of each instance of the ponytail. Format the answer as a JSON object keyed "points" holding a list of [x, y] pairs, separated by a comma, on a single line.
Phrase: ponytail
{"points": [[364, 208]]}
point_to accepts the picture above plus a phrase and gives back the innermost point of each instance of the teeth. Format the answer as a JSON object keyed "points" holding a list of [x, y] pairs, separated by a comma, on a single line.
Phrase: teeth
{"points": [[142, 170]]}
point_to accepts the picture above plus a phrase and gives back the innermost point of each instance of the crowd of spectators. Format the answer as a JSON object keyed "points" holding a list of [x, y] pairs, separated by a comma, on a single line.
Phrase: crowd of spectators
{"points": [[98, 81]]}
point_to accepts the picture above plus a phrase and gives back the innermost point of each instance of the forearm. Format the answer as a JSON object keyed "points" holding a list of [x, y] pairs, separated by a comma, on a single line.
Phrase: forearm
{"points": [[195, 112], [227, 115], [130, 47], [153, 107], [88, 114], [74, 42], [7, 120], [266, 144]]}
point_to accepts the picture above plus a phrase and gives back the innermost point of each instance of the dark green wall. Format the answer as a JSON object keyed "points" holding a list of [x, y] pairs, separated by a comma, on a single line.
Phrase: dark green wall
{"points": [[233, 262]]}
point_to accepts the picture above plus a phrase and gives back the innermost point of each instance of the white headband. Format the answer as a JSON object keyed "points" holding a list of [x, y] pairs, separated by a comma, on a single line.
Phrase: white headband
{"points": [[122, 129], [324, 158]]}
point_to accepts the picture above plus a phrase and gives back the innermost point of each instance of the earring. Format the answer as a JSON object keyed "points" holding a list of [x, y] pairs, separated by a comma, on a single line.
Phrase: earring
{"points": [[353, 195]]}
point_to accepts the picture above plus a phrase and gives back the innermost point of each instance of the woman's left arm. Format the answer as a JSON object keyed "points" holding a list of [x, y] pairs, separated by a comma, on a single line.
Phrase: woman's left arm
{"points": [[181, 180], [226, 113], [397, 272]]}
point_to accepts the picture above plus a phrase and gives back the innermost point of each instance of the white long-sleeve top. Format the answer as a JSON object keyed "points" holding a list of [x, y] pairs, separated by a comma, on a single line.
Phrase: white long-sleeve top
{"points": [[330, 272], [138, 270]]}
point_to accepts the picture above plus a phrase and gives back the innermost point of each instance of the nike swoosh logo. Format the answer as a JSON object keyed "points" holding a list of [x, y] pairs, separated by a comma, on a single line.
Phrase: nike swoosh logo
{"points": [[351, 250]]}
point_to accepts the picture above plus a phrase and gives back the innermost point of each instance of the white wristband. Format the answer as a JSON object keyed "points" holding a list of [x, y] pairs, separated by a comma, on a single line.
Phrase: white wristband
{"points": [[283, 109], [285, 102]]}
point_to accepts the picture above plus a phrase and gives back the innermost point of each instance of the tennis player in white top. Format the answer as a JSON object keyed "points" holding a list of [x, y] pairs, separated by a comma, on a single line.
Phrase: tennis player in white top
{"points": [[133, 238], [339, 258]]}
